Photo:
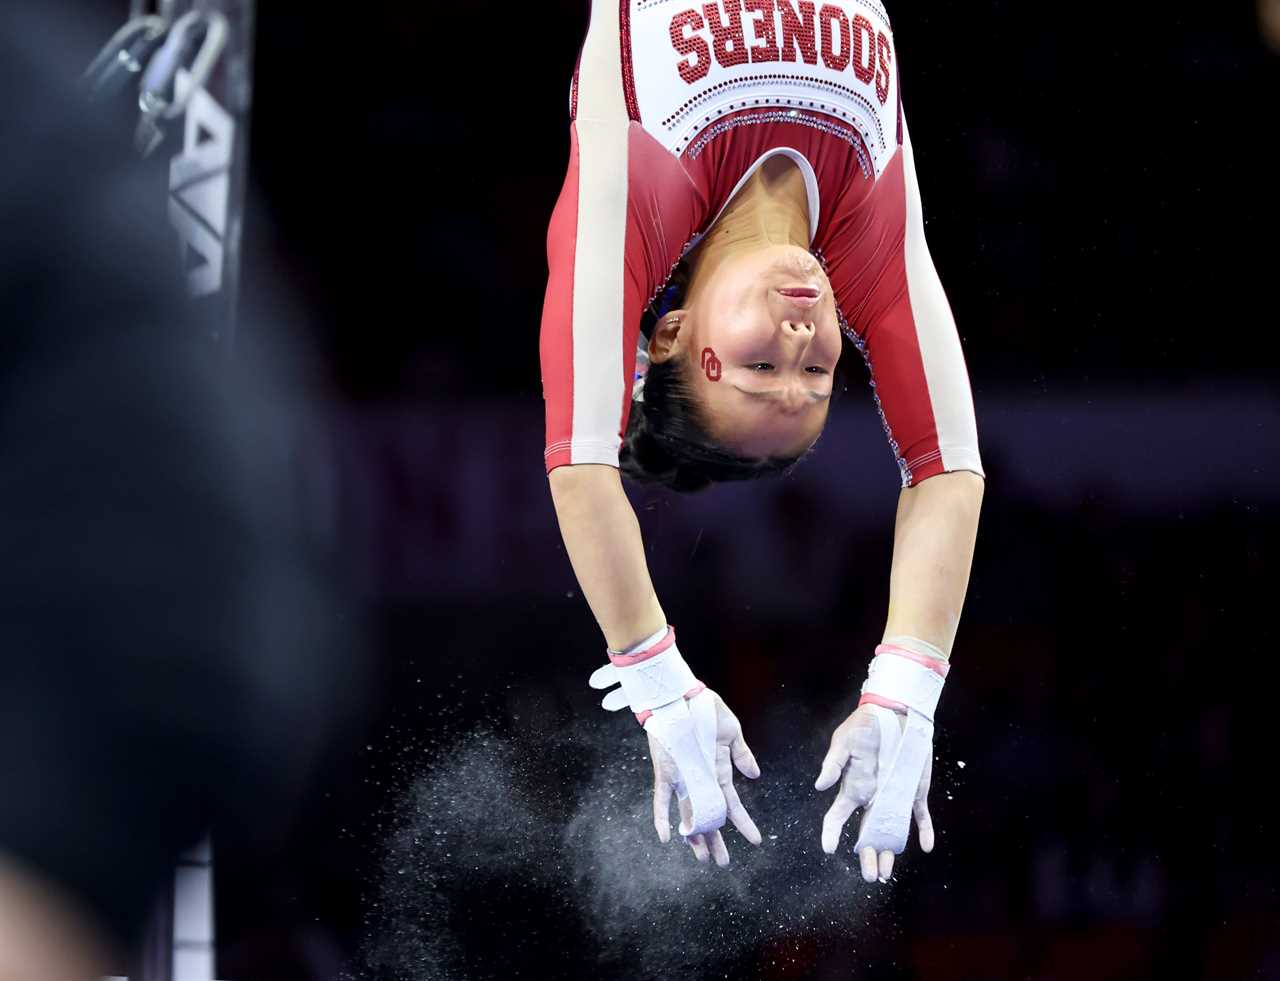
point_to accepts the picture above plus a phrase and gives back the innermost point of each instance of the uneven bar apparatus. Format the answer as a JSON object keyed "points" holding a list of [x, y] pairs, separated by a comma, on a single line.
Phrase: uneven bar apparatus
{"points": [[191, 65]]}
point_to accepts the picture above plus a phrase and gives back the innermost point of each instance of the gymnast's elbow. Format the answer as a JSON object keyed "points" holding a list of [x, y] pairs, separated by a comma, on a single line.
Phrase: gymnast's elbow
{"points": [[962, 485], [582, 481]]}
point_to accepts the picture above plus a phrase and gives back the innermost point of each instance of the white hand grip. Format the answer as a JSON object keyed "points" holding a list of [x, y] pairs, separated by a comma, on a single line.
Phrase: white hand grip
{"points": [[687, 731], [903, 757]]}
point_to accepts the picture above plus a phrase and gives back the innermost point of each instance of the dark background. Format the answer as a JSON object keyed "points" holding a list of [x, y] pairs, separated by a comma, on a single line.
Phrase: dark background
{"points": [[1099, 206]]}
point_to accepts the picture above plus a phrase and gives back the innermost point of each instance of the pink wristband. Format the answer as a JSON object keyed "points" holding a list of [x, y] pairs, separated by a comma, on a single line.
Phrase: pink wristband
{"points": [[932, 663], [628, 660]]}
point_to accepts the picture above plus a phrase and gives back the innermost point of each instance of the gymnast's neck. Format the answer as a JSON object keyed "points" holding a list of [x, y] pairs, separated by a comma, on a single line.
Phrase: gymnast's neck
{"points": [[771, 209]]}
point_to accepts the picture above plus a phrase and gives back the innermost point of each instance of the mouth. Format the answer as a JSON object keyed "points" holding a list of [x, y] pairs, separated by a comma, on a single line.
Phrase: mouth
{"points": [[805, 296]]}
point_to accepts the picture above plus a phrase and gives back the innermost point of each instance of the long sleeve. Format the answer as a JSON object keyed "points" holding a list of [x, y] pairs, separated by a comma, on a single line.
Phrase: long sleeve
{"points": [[904, 327], [590, 318], [625, 212]]}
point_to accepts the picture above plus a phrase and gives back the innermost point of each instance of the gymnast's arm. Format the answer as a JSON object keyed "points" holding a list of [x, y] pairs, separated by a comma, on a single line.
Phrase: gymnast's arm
{"points": [[923, 389], [602, 537], [937, 521], [936, 528], [587, 354], [603, 540], [934, 537]]}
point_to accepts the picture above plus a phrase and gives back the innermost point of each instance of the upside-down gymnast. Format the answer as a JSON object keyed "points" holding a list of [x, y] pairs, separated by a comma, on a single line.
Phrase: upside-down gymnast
{"points": [[741, 186]]}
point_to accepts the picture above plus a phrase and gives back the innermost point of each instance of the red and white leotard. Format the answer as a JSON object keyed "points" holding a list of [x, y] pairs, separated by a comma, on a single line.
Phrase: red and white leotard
{"points": [[674, 105]]}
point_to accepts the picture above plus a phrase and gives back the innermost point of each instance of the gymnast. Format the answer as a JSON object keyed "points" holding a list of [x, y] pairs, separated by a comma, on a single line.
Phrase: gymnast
{"points": [[741, 204]]}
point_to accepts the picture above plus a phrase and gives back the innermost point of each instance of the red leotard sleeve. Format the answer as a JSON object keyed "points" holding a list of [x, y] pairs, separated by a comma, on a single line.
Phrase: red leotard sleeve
{"points": [[890, 292], [625, 212]]}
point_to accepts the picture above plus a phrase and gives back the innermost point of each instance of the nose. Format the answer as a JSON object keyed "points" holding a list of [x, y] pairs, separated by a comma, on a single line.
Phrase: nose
{"points": [[799, 335]]}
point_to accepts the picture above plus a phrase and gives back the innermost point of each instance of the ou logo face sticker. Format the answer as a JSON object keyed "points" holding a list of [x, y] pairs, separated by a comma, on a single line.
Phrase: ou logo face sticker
{"points": [[711, 365]]}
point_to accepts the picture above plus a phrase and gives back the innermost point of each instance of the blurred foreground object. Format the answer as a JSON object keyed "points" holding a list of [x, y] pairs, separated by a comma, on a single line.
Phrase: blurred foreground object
{"points": [[41, 936], [185, 72], [171, 644], [188, 67], [1269, 22]]}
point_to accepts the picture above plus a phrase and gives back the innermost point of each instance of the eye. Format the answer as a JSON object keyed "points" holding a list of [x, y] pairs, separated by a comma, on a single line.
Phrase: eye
{"points": [[817, 370], [761, 366]]}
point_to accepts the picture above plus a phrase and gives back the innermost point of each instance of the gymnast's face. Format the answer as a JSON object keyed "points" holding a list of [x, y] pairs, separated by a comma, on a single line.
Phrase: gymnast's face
{"points": [[761, 339]]}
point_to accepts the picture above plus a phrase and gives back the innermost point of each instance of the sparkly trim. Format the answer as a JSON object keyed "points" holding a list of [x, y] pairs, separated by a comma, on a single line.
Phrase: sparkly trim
{"points": [[845, 328], [878, 10], [628, 72], [650, 4], [573, 90], [674, 266], [903, 467], [779, 78], [793, 116], [898, 73]]}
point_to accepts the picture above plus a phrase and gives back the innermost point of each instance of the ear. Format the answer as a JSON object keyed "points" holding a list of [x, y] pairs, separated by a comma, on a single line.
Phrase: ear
{"points": [[668, 337]]}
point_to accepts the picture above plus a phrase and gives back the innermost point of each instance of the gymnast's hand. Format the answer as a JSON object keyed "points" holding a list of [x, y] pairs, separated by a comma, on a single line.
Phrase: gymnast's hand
{"points": [[730, 750], [885, 752], [856, 751], [694, 741]]}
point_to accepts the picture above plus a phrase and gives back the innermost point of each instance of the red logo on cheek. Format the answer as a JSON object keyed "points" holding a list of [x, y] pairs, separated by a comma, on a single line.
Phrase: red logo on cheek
{"points": [[711, 365]]}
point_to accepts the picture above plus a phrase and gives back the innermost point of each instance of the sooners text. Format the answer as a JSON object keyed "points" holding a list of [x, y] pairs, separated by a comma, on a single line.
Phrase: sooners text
{"points": [[738, 32]]}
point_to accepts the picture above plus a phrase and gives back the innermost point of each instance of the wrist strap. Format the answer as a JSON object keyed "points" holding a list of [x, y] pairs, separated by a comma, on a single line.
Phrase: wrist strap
{"points": [[904, 681], [654, 676]]}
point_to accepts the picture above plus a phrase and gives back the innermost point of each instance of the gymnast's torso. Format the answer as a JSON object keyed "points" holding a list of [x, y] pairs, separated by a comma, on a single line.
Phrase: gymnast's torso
{"points": [[696, 72], [675, 105]]}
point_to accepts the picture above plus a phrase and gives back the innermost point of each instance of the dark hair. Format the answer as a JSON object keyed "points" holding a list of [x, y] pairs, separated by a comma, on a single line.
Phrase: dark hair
{"points": [[668, 443]]}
